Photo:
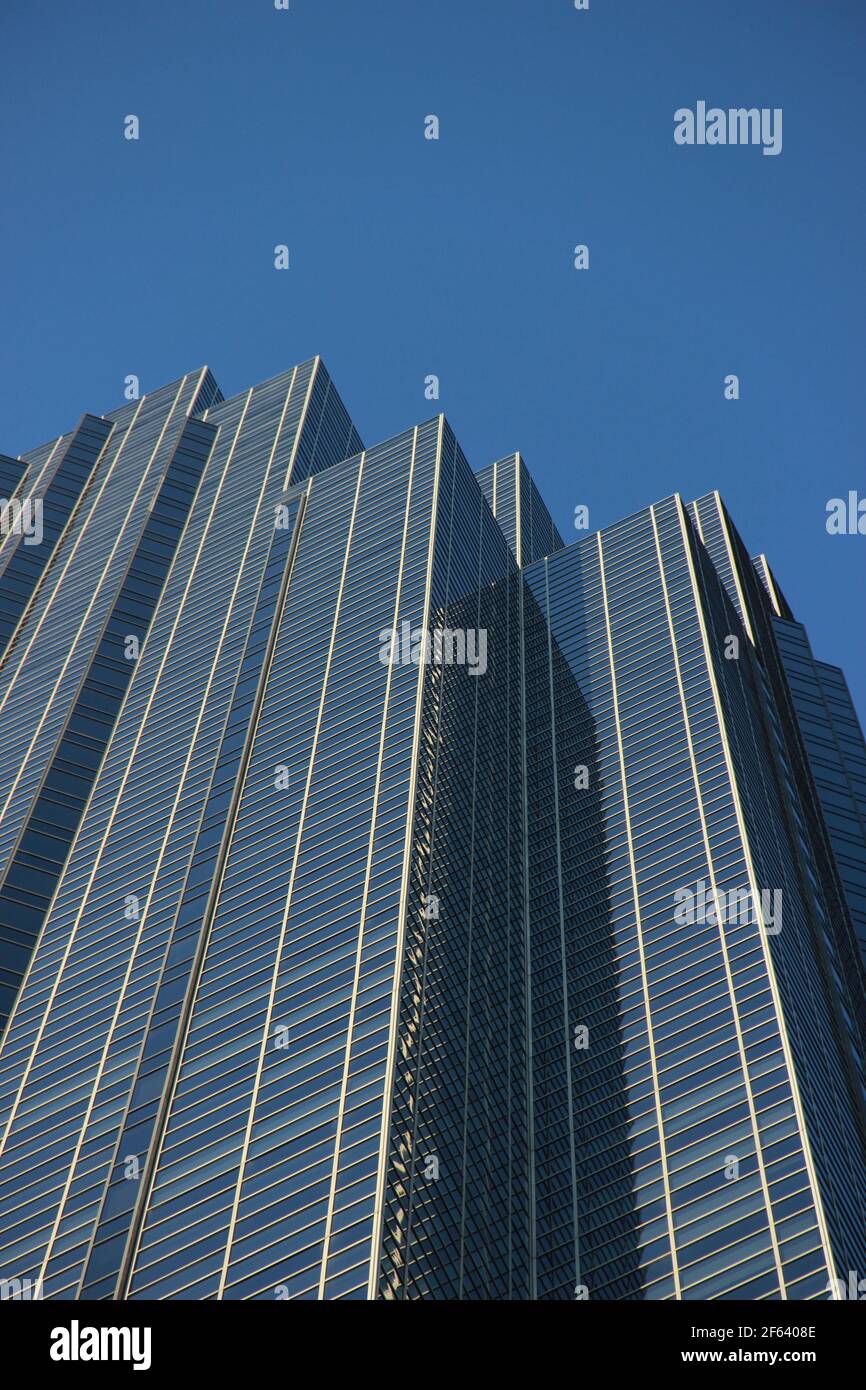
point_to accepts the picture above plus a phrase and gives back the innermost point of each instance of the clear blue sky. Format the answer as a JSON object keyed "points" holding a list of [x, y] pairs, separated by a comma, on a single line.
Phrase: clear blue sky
{"points": [[410, 256]]}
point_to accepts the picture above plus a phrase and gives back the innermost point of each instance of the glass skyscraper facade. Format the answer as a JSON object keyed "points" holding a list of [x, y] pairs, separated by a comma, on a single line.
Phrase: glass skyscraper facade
{"points": [[396, 902]]}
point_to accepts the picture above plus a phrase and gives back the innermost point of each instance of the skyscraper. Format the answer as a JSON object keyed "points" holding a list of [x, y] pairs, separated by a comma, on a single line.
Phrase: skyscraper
{"points": [[396, 902]]}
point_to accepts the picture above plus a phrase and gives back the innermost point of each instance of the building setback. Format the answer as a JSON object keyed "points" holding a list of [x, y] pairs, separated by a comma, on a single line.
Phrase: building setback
{"points": [[398, 903]]}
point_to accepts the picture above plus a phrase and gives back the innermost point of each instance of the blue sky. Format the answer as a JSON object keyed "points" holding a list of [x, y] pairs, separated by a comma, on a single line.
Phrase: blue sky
{"points": [[455, 257]]}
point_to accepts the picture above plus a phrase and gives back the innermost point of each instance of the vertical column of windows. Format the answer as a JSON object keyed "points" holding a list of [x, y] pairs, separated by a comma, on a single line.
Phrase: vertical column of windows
{"points": [[746, 1210], [186, 938], [35, 867], [27, 562], [664, 1246]]}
